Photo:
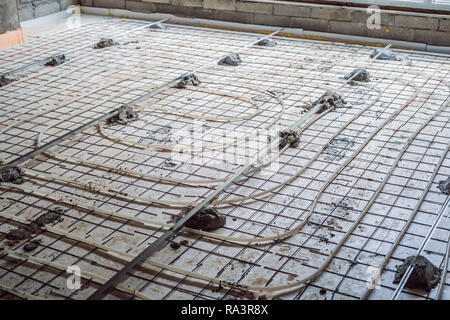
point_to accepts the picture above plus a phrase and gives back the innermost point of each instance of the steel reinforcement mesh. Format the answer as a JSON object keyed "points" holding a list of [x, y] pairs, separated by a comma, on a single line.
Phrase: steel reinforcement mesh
{"points": [[361, 175]]}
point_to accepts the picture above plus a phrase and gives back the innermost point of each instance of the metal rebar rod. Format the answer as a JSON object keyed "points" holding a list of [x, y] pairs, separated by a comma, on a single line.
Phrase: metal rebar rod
{"points": [[444, 271], [27, 66]]}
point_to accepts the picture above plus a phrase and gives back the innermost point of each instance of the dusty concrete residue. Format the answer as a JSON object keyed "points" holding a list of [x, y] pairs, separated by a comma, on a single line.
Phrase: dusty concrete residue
{"points": [[158, 26], [11, 175], [386, 55], [232, 59], [104, 43], [175, 245], [266, 43], [4, 80], [444, 186], [189, 79], [56, 60], [49, 217], [291, 137], [125, 116], [424, 275], [162, 134], [328, 100], [362, 76], [18, 234], [207, 219], [338, 148], [34, 227]]}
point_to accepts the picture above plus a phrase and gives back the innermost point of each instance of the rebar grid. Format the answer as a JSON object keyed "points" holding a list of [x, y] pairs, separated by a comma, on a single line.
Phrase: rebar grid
{"points": [[298, 71]]}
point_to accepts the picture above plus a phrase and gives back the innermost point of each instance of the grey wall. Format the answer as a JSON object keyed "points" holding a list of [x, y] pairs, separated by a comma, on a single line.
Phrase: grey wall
{"points": [[30, 9], [9, 20], [415, 27]]}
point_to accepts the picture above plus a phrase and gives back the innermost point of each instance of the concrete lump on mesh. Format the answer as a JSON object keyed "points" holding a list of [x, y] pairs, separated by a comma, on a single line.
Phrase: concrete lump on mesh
{"points": [[232, 59]]}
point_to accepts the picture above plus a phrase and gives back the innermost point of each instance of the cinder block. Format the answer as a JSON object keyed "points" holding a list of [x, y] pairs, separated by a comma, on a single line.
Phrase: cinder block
{"points": [[234, 16], [26, 12], [157, 1], [220, 4], [253, 7], [201, 13], [407, 21], [330, 13], [403, 34], [379, 33], [187, 3], [386, 19], [271, 20], [444, 24], [140, 6], [87, 3], [310, 24], [291, 10], [169, 8], [395, 33], [352, 28], [184, 11], [112, 4], [9, 21], [46, 8], [359, 16], [432, 37]]}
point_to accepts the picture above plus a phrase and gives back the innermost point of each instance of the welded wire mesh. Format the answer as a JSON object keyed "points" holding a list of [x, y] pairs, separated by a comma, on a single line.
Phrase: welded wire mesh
{"points": [[111, 171]]}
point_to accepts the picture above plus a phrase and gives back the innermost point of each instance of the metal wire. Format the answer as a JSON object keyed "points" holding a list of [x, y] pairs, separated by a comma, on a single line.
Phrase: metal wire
{"points": [[297, 71]]}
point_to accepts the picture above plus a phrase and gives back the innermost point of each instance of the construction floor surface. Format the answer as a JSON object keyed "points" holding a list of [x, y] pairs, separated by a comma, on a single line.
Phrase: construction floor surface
{"points": [[360, 176]]}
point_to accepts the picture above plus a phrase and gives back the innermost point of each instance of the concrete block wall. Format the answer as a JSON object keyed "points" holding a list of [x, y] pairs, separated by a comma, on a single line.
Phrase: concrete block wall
{"points": [[395, 25], [9, 20], [30, 9]]}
